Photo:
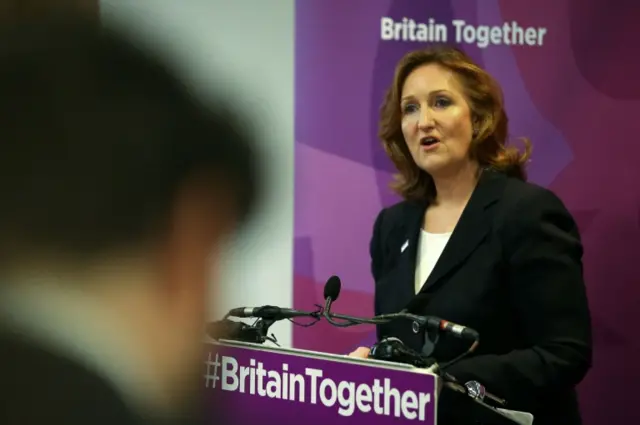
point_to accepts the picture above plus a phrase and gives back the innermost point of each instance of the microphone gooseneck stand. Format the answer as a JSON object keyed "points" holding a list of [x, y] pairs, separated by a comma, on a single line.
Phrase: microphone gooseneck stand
{"points": [[394, 350], [332, 291]]}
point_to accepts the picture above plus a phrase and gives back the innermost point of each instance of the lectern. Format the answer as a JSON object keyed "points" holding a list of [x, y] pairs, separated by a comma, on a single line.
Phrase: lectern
{"points": [[249, 383]]}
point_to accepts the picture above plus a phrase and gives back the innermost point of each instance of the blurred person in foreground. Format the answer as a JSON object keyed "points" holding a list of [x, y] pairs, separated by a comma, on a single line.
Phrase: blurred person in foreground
{"points": [[118, 190], [474, 243]]}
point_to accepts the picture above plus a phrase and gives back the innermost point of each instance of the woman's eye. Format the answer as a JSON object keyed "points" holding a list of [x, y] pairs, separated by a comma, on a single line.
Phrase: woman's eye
{"points": [[409, 108], [442, 102]]}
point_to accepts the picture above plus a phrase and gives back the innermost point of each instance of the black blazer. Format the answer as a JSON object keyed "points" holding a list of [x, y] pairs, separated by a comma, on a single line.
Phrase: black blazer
{"points": [[512, 270]]}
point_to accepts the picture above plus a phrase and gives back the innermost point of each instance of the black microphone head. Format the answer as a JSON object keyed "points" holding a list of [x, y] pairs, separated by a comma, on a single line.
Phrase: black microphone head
{"points": [[332, 288], [418, 304]]}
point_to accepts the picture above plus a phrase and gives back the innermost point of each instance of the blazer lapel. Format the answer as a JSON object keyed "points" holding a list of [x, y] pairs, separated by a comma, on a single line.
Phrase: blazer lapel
{"points": [[474, 224], [408, 239], [405, 240]]}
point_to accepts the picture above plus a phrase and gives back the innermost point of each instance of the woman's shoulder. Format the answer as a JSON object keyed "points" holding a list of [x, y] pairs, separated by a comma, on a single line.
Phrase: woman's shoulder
{"points": [[401, 210], [520, 194], [395, 217], [525, 202]]}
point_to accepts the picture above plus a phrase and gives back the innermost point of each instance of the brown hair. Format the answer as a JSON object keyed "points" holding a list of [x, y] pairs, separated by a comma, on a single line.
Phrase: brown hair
{"points": [[484, 96]]}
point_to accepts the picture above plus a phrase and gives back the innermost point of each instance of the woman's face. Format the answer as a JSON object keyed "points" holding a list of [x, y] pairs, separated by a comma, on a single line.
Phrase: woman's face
{"points": [[436, 120]]}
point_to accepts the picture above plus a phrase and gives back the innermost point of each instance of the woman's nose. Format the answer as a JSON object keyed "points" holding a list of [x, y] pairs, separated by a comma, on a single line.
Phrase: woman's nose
{"points": [[426, 117]]}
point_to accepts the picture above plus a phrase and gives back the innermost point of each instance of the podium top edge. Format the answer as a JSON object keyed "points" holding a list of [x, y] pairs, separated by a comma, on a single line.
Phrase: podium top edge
{"points": [[320, 356]]}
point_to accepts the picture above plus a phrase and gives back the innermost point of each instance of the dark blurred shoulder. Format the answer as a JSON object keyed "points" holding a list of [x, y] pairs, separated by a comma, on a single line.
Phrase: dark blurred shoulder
{"points": [[40, 386]]}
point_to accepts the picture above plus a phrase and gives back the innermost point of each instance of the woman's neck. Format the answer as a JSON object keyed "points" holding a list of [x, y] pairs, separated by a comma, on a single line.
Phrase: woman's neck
{"points": [[456, 189]]}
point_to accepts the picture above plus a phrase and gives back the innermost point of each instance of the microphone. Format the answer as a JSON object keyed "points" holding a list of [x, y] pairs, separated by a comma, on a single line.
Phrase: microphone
{"points": [[269, 312], [234, 331], [421, 323], [331, 292]]}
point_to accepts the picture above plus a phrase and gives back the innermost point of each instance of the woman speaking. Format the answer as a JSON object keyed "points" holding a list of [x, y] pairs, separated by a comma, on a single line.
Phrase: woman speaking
{"points": [[478, 244]]}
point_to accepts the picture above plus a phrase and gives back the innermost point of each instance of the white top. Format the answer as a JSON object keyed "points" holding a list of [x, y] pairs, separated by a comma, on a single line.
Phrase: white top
{"points": [[430, 247]]}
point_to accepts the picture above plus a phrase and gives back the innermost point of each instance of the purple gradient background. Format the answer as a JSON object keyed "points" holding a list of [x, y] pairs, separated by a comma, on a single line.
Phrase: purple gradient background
{"points": [[577, 98]]}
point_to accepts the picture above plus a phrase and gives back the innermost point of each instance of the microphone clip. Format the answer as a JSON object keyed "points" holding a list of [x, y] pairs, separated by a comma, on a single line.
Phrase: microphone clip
{"points": [[394, 350], [262, 328]]}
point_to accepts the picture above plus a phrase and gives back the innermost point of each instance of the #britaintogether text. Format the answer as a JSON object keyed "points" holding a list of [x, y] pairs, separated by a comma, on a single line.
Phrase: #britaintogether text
{"points": [[508, 34], [312, 387]]}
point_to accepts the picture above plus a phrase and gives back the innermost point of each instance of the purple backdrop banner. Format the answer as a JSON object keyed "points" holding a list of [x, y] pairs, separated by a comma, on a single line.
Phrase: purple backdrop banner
{"points": [[569, 70], [247, 385]]}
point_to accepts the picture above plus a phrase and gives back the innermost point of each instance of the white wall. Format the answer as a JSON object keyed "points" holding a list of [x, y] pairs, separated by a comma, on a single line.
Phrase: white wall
{"points": [[244, 49]]}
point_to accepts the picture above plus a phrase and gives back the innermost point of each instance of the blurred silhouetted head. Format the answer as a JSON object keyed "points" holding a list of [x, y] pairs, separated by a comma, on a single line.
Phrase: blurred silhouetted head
{"points": [[118, 184], [98, 141]]}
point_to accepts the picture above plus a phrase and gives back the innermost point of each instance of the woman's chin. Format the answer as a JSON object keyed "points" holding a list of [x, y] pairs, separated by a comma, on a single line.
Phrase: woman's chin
{"points": [[434, 165]]}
